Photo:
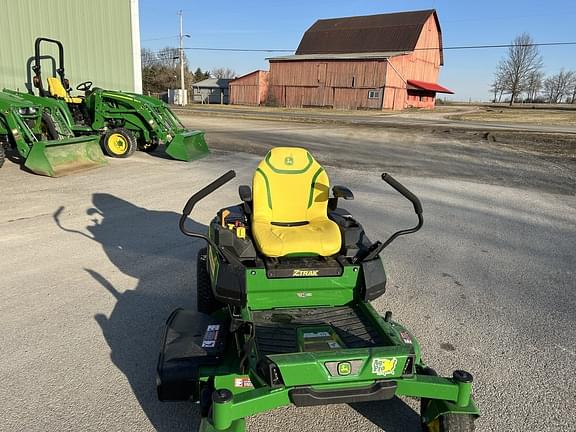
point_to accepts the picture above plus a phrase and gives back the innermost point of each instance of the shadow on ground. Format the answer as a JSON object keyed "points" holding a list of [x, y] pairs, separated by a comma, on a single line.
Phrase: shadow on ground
{"points": [[147, 245], [391, 416]]}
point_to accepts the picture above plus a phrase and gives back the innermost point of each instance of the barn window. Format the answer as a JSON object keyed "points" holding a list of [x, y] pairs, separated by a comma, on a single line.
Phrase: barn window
{"points": [[374, 94]]}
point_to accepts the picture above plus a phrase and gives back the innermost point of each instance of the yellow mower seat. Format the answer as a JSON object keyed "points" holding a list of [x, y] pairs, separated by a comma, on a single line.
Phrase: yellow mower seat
{"points": [[290, 200], [57, 90]]}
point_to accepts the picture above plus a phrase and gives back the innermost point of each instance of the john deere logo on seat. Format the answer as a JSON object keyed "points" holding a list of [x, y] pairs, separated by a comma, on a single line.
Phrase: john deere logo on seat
{"points": [[303, 273], [288, 160]]}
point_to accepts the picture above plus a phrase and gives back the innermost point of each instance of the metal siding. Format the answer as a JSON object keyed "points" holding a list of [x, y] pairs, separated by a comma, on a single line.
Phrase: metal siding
{"points": [[97, 38]]}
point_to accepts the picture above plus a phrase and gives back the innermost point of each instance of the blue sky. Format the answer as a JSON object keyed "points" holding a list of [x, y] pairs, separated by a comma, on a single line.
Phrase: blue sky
{"points": [[280, 25]]}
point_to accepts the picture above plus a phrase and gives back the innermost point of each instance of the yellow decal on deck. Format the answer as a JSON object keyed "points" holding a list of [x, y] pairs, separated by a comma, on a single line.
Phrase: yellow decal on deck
{"points": [[384, 366]]}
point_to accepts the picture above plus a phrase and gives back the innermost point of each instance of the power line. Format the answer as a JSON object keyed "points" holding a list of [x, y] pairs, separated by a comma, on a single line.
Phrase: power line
{"points": [[503, 45], [461, 47]]}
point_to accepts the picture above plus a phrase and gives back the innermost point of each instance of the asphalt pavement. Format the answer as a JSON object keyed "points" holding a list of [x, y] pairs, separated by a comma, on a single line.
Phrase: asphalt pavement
{"points": [[92, 264]]}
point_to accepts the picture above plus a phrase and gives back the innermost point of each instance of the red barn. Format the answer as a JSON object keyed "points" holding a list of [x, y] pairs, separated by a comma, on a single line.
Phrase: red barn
{"points": [[249, 89], [388, 61]]}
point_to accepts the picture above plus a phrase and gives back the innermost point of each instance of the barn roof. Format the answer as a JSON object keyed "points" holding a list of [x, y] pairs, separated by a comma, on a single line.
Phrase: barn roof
{"points": [[373, 33], [248, 74], [213, 83], [341, 56]]}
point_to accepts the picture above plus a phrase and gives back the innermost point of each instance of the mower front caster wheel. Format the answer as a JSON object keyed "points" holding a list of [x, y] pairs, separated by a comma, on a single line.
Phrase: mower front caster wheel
{"points": [[119, 143], [450, 423]]}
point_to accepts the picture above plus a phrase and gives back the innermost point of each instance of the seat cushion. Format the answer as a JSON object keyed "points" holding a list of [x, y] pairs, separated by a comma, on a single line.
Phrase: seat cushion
{"points": [[57, 90], [73, 99], [321, 237]]}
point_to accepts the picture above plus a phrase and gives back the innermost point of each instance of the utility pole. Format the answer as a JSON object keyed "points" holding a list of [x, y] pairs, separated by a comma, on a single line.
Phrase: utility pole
{"points": [[182, 89]]}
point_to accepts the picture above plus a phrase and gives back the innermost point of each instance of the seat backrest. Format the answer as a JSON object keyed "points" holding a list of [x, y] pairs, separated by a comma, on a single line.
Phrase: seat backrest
{"points": [[289, 186], [56, 88]]}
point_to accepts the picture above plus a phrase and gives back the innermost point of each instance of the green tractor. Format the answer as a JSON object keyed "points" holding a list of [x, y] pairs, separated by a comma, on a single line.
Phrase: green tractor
{"points": [[45, 144], [125, 121], [283, 309]]}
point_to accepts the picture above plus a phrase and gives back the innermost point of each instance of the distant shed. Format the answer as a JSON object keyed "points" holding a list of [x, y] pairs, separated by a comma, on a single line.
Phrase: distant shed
{"points": [[387, 61], [249, 89], [211, 91]]}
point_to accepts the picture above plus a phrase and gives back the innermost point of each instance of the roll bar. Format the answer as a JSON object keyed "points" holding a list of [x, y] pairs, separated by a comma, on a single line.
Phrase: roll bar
{"points": [[37, 67]]}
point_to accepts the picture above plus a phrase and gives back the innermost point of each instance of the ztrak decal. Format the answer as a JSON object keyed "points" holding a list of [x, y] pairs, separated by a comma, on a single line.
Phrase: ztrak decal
{"points": [[305, 273], [384, 366], [304, 294]]}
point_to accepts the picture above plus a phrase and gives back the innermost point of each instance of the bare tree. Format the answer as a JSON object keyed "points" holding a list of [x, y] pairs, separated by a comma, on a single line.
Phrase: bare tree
{"points": [[572, 86], [223, 73], [534, 84], [500, 83], [149, 58], [160, 69], [522, 60], [559, 86]]}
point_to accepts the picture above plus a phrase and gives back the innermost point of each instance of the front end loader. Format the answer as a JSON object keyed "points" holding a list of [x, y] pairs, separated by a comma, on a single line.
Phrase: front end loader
{"points": [[125, 121], [45, 143]]}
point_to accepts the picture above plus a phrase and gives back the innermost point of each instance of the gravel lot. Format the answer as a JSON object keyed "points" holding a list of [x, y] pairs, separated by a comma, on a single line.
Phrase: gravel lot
{"points": [[92, 264]]}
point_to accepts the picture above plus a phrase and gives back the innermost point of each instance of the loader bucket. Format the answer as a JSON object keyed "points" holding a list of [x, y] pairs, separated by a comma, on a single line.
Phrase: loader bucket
{"points": [[188, 146], [66, 156]]}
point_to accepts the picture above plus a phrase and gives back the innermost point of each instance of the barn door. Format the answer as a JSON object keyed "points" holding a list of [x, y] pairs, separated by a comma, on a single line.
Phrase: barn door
{"points": [[321, 73]]}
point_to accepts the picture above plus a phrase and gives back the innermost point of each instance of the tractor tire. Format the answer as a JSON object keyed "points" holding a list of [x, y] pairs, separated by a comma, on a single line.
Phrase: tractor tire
{"points": [[148, 147], [2, 154], [48, 127], [205, 300], [452, 423], [119, 143]]}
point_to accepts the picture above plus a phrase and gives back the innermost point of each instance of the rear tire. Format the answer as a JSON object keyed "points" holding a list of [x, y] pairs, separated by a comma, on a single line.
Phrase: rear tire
{"points": [[205, 300], [119, 143]]}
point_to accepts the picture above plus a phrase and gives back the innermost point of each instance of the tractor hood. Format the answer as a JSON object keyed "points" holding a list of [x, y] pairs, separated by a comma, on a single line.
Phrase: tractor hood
{"points": [[11, 101], [126, 96]]}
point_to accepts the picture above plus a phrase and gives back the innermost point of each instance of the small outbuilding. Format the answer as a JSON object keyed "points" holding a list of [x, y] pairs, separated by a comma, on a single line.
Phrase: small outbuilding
{"points": [[249, 89], [211, 91], [387, 61]]}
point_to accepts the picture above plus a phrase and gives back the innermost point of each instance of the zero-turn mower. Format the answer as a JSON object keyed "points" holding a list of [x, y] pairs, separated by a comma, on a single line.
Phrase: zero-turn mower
{"points": [[46, 145], [125, 121], [283, 309]]}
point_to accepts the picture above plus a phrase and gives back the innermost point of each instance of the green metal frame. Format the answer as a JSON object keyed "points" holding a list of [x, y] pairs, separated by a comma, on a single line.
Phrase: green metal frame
{"points": [[447, 395]]}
